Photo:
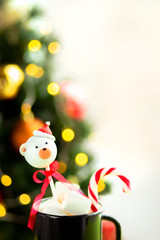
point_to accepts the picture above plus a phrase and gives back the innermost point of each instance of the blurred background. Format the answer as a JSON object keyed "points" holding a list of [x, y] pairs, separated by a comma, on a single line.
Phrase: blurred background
{"points": [[103, 66]]}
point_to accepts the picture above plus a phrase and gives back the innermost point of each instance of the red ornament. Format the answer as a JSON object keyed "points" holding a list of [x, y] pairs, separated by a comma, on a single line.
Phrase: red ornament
{"points": [[108, 230], [75, 100]]}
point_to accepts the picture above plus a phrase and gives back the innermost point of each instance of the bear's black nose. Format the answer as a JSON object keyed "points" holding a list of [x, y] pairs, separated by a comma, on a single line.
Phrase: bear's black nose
{"points": [[44, 149]]}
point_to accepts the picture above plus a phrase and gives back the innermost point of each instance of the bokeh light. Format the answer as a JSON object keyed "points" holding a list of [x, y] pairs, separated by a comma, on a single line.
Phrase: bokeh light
{"points": [[81, 159], [6, 180], [101, 185], [62, 167], [34, 45], [24, 199], [2, 210], [54, 47], [34, 71], [14, 73], [25, 108], [31, 69], [68, 134], [39, 73], [53, 88]]}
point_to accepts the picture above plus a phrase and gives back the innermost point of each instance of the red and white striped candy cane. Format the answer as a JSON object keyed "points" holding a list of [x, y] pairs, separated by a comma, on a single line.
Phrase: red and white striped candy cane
{"points": [[93, 185]]}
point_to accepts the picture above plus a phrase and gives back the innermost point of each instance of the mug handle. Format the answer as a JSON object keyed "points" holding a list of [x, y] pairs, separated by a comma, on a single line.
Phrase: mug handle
{"points": [[117, 224]]}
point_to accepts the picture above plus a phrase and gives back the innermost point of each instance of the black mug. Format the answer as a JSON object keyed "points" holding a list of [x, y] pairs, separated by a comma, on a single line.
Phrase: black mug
{"points": [[77, 227]]}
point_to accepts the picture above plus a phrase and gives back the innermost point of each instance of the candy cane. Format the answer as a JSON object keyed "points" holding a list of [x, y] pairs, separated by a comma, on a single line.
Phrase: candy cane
{"points": [[93, 185]]}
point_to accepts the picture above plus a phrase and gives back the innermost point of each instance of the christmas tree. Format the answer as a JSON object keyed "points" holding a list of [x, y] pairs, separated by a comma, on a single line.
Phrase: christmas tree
{"points": [[30, 96]]}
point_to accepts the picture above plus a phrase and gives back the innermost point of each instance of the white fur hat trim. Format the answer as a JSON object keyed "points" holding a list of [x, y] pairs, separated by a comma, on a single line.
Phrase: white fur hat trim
{"points": [[42, 134]]}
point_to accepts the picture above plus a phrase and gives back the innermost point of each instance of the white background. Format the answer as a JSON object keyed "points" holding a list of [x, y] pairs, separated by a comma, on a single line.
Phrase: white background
{"points": [[113, 48]]}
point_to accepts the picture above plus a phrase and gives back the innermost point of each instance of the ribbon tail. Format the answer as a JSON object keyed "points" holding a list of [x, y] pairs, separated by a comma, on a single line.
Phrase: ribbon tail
{"points": [[35, 205]]}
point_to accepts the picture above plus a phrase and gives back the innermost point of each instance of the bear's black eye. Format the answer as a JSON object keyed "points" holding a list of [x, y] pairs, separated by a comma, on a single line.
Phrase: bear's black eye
{"points": [[36, 146], [46, 142]]}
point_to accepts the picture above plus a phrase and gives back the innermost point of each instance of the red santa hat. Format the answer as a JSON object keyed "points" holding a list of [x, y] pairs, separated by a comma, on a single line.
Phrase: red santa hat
{"points": [[44, 131]]}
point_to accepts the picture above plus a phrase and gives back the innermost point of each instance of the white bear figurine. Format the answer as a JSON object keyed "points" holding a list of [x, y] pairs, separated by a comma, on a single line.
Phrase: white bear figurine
{"points": [[40, 150]]}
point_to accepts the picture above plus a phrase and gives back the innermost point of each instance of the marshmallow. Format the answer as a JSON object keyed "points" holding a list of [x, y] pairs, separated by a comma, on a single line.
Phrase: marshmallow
{"points": [[62, 191], [75, 203], [45, 203], [68, 202], [54, 208]]}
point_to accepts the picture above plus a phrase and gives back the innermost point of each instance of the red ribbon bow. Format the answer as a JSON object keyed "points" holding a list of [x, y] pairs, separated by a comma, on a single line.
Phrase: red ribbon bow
{"points": [[52, 172]]}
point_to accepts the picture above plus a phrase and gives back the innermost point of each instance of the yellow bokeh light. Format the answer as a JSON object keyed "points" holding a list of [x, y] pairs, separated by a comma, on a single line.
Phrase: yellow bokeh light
{"points": [[39, 73], [81, 159], [34, 45], [101, 185], [28, 116], [68, 134], [6, 180], [25, 108], [53, 88], [62, 167], [54, 47], [24, 199], [14, 74], [34, 71], [10, 80], [2, 210], [31, 69]]}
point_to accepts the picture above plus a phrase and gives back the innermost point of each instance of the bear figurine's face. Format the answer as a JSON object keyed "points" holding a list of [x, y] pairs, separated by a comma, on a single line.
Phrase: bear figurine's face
{"points": [[38, 151]]}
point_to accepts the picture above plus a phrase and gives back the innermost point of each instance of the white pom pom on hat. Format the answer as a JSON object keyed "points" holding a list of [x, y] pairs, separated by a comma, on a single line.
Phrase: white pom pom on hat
{"points": [[44, 131]]}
